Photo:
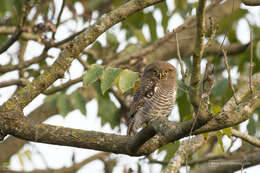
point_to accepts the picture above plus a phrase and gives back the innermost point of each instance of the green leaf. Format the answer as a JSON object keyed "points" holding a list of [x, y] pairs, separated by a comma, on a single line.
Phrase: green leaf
{"points": [[112, 41], [165, 17], [127, 80], [227, 131], [219, 136], [94, 4], [149, 19], [181, 4], [63, 105], [129, 49], [108, 77], [221, 92], [107, 110], [251, 126], [78, 102], [52, 99], [92, 74], [138, 33], [170, 149], [184, 106]]}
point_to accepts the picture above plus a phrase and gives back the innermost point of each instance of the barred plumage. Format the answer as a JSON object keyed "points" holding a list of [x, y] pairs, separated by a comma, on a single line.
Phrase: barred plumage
{"points": [[154, 97]]}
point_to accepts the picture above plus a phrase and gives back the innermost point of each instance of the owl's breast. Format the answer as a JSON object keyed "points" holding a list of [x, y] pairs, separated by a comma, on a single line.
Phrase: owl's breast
{"points": [[161, 103]]}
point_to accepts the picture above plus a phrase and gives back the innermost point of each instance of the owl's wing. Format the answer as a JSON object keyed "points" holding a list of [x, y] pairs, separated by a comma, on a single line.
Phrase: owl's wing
{"points": [[144, 91]]}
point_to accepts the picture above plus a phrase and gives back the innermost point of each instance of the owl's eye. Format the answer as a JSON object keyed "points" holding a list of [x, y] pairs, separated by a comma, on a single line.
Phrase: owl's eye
{"points": [[154, 72], [166, 72]]}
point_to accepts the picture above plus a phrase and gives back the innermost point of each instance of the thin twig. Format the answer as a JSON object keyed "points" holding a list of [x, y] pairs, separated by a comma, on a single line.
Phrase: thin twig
{"points": [[233, 140], [19, 82], [251, 62], [53, 90], [84, 63], [229, 75], [10, 41], [24, 64], [230, 20], [179, 57], [69, 38], [58, 19]]}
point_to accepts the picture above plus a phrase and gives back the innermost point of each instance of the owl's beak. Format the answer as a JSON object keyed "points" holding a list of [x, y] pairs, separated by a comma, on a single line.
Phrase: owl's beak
{"points": [[160, 76]]}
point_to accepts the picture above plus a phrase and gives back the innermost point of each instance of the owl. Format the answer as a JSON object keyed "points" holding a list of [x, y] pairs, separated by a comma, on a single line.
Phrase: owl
{"points": [[155, 96]]}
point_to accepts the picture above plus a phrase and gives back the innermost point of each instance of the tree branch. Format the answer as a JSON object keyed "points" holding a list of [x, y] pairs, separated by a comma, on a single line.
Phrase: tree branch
{"points": [[171, 131], [53, 89], [230, 164], [229, 75], [12, 145], [73, 168], [24, 64], [19, 82], [187, 148], [228, 119], [245, 137], [197, 56], [10, 41], [251, 2]]}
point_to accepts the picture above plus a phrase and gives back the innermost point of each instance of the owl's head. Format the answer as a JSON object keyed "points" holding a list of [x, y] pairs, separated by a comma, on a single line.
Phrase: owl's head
{"points": [[161, 70]]}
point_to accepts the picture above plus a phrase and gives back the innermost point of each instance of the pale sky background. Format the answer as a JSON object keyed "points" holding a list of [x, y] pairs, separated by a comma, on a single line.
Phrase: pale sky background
{"points": [[59, 156]]}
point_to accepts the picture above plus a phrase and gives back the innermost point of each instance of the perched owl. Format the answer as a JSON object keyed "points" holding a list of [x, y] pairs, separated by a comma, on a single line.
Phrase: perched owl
{"points": [[155, 96]]}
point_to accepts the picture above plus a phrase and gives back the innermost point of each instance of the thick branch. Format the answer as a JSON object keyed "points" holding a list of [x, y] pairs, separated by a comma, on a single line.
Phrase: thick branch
{"points": [[44, 133], [171, 131], [240, 113], [12, 145]]}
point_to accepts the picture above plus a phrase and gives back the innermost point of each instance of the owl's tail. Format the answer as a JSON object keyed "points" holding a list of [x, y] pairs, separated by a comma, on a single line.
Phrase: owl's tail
{"points": [[134, 123], [131, 131]]}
